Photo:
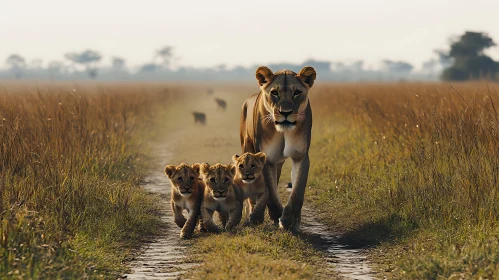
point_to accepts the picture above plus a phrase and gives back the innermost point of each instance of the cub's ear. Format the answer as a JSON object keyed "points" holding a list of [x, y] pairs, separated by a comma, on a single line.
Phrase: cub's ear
{"points": [[261, 157], [170, 170], [196, 167], [264, 75], [232, 169], [205, 168], [235, 158], [307, 75]]}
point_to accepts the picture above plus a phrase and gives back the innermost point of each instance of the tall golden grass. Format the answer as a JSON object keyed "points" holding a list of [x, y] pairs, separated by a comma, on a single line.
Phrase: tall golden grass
{"points": [[69, 170], [415, 168]]}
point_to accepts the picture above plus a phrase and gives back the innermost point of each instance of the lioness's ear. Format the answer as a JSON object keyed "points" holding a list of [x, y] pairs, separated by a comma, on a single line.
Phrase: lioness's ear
{"points": [[264, 75], [261, 157], [235, 158], [196, 167], [205, 168], [307, 75], [170, 170], [232, 169]]}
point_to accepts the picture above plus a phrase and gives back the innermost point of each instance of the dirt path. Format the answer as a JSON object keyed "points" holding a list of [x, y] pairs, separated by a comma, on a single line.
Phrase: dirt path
{"points": [[217, 141], [164, 257]]}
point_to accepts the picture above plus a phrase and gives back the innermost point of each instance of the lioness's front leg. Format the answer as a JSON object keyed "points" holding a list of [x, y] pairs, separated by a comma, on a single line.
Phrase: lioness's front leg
{"points": [[177, 215], [235, 216], [274, 203], [208, 223], [257, 214], [190, 225], [291, 215]]}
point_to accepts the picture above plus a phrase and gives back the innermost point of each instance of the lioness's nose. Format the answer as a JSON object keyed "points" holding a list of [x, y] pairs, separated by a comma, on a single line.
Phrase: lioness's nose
{"points": [[285, 113], [247, 173]]}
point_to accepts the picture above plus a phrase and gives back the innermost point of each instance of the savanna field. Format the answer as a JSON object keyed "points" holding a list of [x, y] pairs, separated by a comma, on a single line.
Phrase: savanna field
{"points": [[408, 170]]}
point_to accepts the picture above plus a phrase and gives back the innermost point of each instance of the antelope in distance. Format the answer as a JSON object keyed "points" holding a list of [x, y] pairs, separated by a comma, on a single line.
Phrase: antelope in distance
{"points": [[199, 118], [221, 103]]}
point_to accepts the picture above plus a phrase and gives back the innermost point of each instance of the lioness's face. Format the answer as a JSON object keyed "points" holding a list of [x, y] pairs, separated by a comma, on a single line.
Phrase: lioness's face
{"points": [[249, 166], [285, 95], [218, 178], [183, 177]]}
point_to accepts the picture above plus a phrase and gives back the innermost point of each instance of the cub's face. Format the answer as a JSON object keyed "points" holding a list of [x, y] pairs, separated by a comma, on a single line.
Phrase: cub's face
{"points": [[183, 177], [249, 166], [218, 178], [285, 95]]}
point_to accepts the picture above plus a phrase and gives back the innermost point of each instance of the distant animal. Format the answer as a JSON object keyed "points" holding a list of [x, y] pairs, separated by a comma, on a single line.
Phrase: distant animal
{"points": [[210, 91], [221, 103], [187, 193], [199, 118], [278, 122], [221, 195]]}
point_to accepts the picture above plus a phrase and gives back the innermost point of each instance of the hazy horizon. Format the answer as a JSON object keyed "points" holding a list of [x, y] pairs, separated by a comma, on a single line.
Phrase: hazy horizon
{"points": [[206, 34]]}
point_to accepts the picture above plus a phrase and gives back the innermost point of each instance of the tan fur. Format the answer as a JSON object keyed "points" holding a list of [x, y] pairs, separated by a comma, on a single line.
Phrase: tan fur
{"points": [[278, 121], [187, 193], [249, 177], [221, 195]]}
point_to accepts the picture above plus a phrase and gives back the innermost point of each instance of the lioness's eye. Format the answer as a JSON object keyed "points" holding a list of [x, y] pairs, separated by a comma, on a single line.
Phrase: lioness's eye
{"points": [[297, 93], [241, 166], [253, 166], [212, 180], [192, 178], [274, 92], [226, 180], [180, 179]]}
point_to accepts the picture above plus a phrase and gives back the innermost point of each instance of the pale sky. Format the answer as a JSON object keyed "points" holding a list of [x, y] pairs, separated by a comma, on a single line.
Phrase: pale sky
{"points": [[207, 33]]}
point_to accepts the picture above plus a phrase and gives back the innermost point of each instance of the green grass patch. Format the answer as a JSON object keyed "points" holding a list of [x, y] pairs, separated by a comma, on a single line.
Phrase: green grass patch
{"points": [[72, 161], [262, 252], [412, 170]]}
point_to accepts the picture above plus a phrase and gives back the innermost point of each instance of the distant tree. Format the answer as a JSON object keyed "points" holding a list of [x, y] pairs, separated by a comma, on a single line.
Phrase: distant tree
{"points": [[118, 64], [400, 67], [165, 54], [469, 60], [55, 68], [148, 67], [16, 64], [221, 67], [88, 59]]}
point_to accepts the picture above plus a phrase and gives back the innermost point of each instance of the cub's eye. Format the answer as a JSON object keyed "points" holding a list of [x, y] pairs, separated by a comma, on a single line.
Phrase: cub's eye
{"points": [[226, 180], [212, 180], [241, 166], [191, 178], [180, 179], [274, 92], [253, 166], [297, 93]]}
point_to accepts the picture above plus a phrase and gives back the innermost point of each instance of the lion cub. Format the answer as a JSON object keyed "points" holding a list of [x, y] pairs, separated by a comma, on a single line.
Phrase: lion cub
{"points": [[221, 195], [249, 177], [187, 193]]}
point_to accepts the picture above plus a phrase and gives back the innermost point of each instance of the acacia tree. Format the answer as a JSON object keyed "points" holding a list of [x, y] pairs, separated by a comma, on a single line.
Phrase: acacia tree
{"points": [[468, 58], [87, 59], [17, 65], [165, 54]]}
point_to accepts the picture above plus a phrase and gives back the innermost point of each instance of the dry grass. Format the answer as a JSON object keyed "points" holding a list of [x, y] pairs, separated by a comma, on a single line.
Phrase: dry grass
{"points": [[69, 169], [417, 166]]}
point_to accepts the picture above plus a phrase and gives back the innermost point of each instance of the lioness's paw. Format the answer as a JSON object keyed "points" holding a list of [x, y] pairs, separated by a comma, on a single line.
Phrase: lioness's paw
{"points": [[185, 235]]}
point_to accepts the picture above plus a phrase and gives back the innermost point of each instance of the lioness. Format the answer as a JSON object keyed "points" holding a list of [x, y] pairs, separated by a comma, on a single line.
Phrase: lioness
{"points": [[249, 177], [221, 195], [278, 121], [187, 193]]}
